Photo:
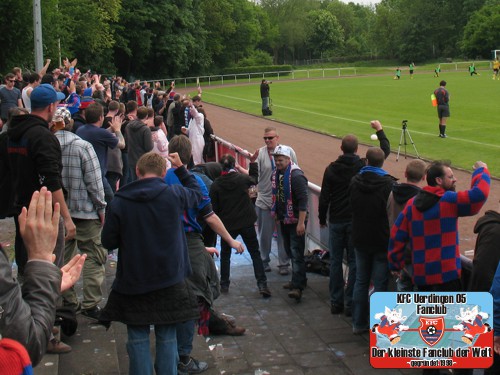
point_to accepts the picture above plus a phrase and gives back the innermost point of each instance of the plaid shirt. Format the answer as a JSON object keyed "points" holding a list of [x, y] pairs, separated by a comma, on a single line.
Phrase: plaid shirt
{"points": [[433, 233], [81, 177]]}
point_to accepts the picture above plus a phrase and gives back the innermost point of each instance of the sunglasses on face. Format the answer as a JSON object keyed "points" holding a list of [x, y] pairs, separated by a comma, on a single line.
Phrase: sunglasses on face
{"points": [[269, 138]]}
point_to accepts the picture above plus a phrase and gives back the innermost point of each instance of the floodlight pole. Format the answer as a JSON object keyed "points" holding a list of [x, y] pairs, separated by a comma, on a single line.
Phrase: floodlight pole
{"points": [[37, 27]]}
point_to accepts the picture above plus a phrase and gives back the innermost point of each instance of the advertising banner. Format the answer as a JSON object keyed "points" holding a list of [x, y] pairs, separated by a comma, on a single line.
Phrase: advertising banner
{"points": [[431, 330]]}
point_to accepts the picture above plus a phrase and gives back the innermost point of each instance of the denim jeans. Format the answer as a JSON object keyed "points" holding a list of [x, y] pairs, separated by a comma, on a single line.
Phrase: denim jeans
{"points": [[405, 283], [185, 335], [371, 264], [113, 179], [140, 361], [265, 102], [249, 238], [108, 191], [125, 170], [340, 240], [295, 246]]}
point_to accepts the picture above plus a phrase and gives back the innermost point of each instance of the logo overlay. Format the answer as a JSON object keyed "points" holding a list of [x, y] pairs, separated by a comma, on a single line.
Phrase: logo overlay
{"points": [[431, 330]]}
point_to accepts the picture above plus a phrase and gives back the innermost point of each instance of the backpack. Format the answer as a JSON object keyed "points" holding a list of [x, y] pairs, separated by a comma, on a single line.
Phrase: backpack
{"points": [[318, 262]]}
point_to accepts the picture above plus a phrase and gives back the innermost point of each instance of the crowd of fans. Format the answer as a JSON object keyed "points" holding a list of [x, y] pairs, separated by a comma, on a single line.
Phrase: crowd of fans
{"points": [[115, 155], [84, 136]]}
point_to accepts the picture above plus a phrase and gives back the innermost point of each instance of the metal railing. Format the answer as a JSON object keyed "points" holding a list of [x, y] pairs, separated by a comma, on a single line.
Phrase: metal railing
{"points": [[316, 237], [235, 78]]}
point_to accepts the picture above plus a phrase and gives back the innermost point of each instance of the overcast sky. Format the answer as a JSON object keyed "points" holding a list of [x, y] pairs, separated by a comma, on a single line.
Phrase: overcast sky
{"points": [[364, 2]]}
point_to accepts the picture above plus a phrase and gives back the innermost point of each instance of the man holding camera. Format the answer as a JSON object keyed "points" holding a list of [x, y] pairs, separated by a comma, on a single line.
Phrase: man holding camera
{"points": [[264, 94]]}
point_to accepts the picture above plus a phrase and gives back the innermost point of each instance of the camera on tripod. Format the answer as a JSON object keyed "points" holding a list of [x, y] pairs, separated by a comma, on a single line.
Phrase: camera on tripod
{"points": [[402, 141]]}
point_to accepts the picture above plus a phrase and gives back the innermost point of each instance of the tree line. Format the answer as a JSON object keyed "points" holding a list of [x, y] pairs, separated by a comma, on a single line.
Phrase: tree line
{"points": [[172, 38]]}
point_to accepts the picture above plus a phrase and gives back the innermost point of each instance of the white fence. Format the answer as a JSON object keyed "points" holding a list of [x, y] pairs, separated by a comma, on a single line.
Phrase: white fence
{"points": [[225, 79]]}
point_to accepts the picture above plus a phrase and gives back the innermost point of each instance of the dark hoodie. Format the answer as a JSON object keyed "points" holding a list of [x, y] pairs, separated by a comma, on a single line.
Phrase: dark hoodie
{"points": [[428, 197], [230, 199], [78, 121], [487, 254], [139, 141], [368, 197], [334, 188], [401, 193], [143, 222], [34, 158]]}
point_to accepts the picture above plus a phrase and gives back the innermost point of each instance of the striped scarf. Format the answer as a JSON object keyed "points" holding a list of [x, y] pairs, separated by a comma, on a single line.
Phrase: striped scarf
{"points": [[287, 192]]}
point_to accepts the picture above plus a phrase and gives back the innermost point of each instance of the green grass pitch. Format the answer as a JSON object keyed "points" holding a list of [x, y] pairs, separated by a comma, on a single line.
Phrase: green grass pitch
{"points": [[339, 106]]}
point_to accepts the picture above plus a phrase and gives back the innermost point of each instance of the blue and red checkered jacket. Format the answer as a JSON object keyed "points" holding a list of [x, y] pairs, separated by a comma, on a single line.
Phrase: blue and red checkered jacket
{"points": [[429, 223]]}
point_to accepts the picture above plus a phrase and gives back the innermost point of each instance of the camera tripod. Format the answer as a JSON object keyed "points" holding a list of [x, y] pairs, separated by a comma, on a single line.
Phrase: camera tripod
{"points": [[405, 132]]}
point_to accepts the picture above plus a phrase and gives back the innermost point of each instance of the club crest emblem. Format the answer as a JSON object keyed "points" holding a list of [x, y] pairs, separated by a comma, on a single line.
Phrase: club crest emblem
{"points": [[431, 330]]}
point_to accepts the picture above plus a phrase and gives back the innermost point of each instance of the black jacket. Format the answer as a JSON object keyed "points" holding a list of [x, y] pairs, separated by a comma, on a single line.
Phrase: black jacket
{"points": [[334, 189], [178, 113], [34, 158], [6, 190], [368, 197], [299, 195], [264, 90], [78, 121], [230, 199], [486, 255]]}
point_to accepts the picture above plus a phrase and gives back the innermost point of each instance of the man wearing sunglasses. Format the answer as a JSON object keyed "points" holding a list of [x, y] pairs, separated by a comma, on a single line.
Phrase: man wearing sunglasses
{"points": [[10, 97], [265, 222]]}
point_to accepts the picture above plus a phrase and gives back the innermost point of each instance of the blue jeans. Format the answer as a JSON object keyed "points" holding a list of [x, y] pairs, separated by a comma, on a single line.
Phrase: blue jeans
{"points": [[108, 191], [265, 102], [295, 246], [113, 179], [340, 239], [166, 358], [125, 170], [185, 335], [371, 264], [249, 238], [405, 282]]}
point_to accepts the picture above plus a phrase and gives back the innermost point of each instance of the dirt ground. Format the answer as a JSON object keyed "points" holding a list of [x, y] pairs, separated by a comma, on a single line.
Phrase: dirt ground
{"points": [[315, 151]]}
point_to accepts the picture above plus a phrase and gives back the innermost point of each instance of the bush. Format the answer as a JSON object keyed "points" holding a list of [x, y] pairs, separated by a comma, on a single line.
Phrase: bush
{"points": [[258, 57], [267, 69]]}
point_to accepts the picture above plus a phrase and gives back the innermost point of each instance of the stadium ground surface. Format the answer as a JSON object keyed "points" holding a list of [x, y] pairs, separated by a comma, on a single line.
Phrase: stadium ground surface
{"points": [[316, 150], [338, 106], [282, 337]]}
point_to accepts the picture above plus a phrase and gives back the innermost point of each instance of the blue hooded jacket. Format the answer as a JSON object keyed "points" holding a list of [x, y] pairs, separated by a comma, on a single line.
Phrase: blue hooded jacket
{"points": [[143, 222]]}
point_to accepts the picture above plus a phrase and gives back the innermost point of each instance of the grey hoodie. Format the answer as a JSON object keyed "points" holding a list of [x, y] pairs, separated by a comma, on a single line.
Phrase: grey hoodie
{"points": [[139, 141]]}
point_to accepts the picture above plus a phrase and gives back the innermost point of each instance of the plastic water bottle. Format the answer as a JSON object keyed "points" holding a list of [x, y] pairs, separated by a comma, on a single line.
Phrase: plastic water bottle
{"points": [[14, 269]]}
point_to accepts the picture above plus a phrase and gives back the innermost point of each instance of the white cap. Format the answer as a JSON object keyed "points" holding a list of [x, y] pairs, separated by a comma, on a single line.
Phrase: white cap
{"points": [[63, 113], [282, 150]]}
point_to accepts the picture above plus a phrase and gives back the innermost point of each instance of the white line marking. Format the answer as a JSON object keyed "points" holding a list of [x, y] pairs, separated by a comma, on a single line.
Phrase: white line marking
{"points": [[356, 121]]}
